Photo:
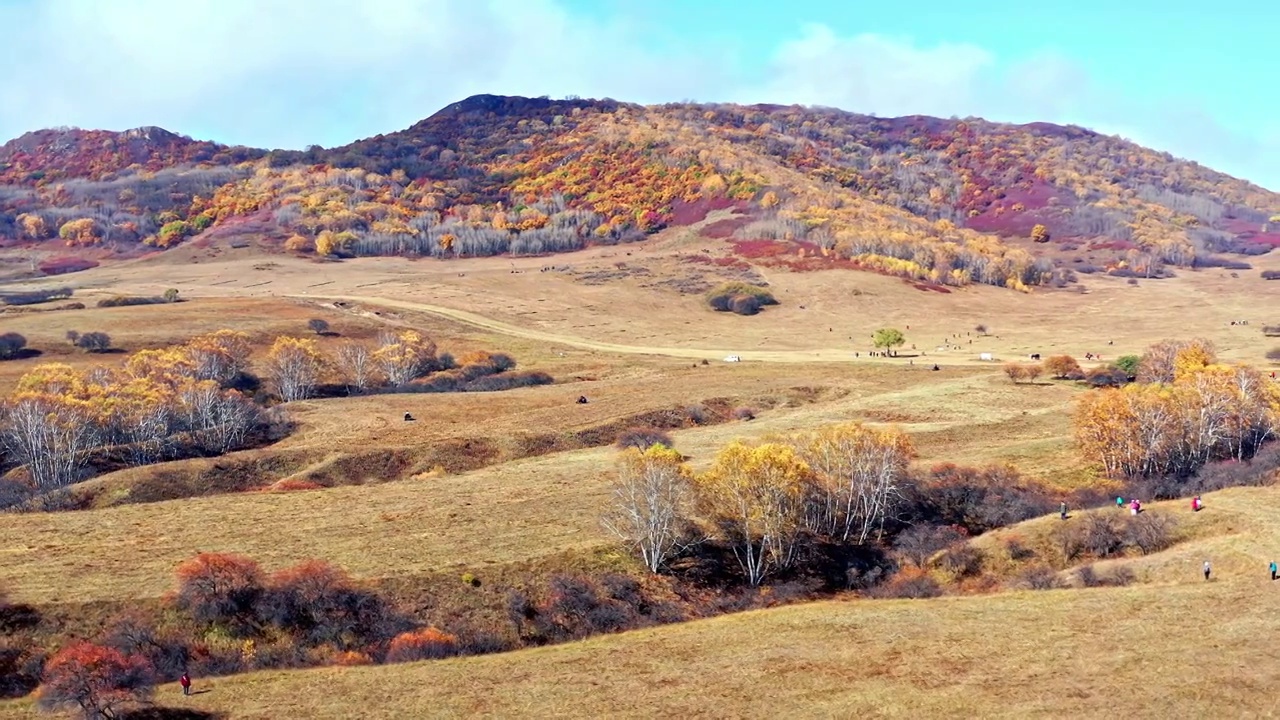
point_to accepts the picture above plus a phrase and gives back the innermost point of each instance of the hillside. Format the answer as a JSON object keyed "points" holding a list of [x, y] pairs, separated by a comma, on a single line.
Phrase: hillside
{"points": [[950, 202], [1075, 651]]}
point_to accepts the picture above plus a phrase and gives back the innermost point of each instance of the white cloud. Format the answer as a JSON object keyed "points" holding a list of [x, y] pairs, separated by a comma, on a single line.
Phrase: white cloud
{"points": [[288, 73]]}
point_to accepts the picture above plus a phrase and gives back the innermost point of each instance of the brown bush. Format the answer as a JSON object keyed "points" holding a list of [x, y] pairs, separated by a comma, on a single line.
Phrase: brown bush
{"points": [[1039, 577], [1150, 531], [920, 543], [11, 345], [1115, 577], [1272, 354], [1271, 330], [910, 583], [1063, 367], [641, 438], [744, 413], [220, 589]]}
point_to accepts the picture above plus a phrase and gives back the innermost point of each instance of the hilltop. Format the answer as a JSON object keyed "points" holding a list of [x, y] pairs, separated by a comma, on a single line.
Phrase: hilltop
{"points": [[947, 202]]}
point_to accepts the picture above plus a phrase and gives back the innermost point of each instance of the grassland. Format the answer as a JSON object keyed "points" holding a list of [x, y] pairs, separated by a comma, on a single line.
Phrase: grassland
{"points": [[488, 481], [1163, 648]]}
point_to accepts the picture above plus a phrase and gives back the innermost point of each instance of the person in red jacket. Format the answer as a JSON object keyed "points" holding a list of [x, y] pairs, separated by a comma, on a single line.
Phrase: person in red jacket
{"points": [[1195, 504], [185, 682]]}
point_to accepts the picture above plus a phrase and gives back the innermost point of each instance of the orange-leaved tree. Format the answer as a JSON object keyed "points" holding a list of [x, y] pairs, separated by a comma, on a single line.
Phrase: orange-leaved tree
{"points": [[95, 681]]}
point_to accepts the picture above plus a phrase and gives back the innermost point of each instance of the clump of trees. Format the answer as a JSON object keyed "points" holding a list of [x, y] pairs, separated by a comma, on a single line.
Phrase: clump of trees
{"points": [[763, 502], [1023, 372], [161, 404], [741, 298], [1186, 410]]}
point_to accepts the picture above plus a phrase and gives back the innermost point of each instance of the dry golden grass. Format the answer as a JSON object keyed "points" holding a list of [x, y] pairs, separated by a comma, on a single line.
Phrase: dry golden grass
{"points": [[1161, 649], [632, 349]]}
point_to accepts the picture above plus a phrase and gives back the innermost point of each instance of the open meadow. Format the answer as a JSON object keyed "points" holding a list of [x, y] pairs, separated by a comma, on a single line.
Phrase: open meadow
{"points": [[513, 483]]}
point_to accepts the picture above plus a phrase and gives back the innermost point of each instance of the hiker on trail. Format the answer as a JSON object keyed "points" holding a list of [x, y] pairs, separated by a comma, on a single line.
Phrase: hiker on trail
{"points": [[1119, 501], [1206, 569], [1273, 569], [1062, 511], [1196, 504], [185, 682], [1135, 507]]}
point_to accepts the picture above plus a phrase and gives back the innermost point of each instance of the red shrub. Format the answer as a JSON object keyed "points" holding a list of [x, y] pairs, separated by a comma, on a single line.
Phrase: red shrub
{"points": [[218, 588], [96, 680], [426, 644]]}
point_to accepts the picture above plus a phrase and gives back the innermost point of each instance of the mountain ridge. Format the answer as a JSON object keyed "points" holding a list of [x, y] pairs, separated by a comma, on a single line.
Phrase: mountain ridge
{"points": [[920, 196]]}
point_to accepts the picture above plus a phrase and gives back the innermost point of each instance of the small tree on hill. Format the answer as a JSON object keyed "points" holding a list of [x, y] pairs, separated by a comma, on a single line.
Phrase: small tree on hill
{"points": [[95, 682], [171, 295], [219, 589], [1017, 372], [981, 329], [318, 326], [888, 338], [1040, 234], [1063, 367]]}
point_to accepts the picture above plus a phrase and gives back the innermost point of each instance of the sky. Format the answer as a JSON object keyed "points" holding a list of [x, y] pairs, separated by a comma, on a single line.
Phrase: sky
{"points": [[1192, 78]]}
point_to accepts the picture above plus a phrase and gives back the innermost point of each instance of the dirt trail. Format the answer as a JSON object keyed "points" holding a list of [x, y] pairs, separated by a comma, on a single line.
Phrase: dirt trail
{"points": [[787, 356]]}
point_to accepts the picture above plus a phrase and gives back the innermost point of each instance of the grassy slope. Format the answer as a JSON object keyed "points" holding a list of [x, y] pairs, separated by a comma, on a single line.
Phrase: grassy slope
{"points": [[1161, 649]]}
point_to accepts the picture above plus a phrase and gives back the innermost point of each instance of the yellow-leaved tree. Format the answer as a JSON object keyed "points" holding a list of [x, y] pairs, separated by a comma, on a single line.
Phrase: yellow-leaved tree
{"points": [[755, 498], [652, 499], [294, 366]]}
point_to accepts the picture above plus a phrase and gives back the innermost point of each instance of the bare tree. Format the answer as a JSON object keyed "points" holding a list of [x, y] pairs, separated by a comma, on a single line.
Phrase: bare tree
{"points": [[651, 499], [318, 326], [356, 363], [50, 437]]}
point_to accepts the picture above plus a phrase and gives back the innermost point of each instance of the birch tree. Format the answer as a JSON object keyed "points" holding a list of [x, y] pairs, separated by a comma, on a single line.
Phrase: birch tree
{"points": [[356, 364], [755, 497], [652, 498], [50, 435], [294, 365], [857, 473]]}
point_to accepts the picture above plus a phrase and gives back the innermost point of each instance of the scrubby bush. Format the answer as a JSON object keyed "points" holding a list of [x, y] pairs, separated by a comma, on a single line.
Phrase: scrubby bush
{"points": [[1118, 576], [11, 345], [318, 604], [1150, 531], [1063, 367], [92, 341], [1040, 577], [908, 583], [1271, 330], [318, 326], [643, 437], [1272, 354], [1109, 376], [220, 589], [744, 413], [974, 499], [739, 297], [35, 297], [127, 300], [919, 543], [1271, 274]]}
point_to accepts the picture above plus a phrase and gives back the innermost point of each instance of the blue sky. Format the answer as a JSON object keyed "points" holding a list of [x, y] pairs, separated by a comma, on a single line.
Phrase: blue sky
{"points": [[1193, 78]]}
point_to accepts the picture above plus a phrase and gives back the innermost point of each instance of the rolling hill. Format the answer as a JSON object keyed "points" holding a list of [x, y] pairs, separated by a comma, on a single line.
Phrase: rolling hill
{"points": [[949, 202]]}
